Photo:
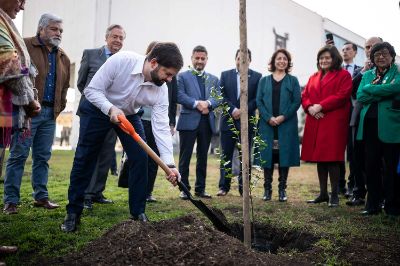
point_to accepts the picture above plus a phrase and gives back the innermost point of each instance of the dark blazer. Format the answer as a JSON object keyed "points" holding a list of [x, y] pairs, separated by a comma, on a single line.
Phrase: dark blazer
{"points": [[39, 58], [92, 60], [173, 100], [188, 93], [228, 85]]}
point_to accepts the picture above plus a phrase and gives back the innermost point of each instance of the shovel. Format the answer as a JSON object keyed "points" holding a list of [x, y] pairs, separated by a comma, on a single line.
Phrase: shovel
{"points": [[127, 127]]}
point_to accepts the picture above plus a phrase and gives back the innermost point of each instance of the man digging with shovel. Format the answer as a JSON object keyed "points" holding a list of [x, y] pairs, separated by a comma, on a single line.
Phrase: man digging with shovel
{"points": [[121, 86]]}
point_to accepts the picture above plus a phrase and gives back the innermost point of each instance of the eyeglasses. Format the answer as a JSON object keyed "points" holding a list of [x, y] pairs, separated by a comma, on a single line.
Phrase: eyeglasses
{"points": [[384, 53]]}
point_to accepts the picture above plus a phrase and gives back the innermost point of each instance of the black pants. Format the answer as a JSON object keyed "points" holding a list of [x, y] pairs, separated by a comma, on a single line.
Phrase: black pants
{"points": [[152, 166], [381, 161], [228, 142], [359, 190], [104, 160], [187, 139]]}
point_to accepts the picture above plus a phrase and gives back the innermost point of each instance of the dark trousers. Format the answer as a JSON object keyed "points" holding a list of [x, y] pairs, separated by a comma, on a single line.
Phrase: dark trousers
{"points": [[152, 166], [380, 157], [359, 190], [187, 138], [94, 126], [104, 160], [228, 142]]}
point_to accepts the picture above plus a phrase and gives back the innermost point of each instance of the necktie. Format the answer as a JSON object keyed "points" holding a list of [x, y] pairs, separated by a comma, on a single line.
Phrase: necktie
{"points": [[347, 67]]}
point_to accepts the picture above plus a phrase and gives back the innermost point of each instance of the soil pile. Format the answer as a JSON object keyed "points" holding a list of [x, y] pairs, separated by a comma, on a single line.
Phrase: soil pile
{"points": [[181, 241]]}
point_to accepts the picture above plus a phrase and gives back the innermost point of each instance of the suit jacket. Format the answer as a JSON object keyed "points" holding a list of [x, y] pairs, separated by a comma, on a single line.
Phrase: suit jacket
{"points": [[92, 60], [325, 139], [188, 93], [173, 99], [228, 85], [39, 58]]}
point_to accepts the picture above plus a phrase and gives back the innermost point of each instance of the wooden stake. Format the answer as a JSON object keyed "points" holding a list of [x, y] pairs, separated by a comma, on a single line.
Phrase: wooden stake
{"points": [[244, 120]]}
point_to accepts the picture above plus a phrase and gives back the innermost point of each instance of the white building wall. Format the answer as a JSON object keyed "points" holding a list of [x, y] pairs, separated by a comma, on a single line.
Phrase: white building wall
{"points": [[212, 23]]}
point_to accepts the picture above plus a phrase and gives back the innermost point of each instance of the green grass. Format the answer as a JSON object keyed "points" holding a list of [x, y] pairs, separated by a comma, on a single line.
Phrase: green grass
{"points": [[36, 231]]}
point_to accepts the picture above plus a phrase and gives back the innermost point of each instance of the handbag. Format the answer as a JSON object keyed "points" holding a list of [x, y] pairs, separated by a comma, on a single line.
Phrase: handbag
{"points": [[123, 175]]}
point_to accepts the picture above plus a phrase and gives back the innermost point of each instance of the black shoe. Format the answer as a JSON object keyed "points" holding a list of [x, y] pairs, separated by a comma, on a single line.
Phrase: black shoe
{"points": [[102, 200], [150, 198], [370, 212], [349, 193], [141, 217], [282, 195], [333, 201], [88, 204], [114, 172], [319, 199], [355, 202], [267, 195], [70, 222], [183, 196], [203, 195]]}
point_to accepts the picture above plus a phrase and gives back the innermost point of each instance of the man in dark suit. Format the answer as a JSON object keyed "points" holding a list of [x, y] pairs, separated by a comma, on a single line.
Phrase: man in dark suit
{"points": [[92, 60], [230, 89], [197, 119], [357, 165], [349, 52]]}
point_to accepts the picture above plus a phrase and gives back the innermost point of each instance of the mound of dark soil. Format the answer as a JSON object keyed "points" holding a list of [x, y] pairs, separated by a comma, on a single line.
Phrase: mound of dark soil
{"points": [[181, 241]]}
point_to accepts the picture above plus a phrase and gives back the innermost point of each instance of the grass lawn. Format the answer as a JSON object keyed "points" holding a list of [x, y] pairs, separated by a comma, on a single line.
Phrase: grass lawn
{"points": [[36, 231]]}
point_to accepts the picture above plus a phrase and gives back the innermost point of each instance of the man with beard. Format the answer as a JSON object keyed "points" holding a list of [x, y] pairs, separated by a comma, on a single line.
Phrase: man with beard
{"points": [[197, 119], [124, 83], [92, 60], [52, 83]]}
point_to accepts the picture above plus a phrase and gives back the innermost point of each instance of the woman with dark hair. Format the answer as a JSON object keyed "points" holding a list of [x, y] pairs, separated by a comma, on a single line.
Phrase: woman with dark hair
{"points": [[326, 101], [379, 128], [278, 99]]}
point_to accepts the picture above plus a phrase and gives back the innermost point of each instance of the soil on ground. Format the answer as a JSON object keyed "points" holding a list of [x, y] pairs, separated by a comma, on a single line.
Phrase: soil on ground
{"points": [[190, 241]]}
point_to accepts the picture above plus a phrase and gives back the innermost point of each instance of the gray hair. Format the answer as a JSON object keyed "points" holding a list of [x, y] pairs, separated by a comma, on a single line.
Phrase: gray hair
{"points": [[46, 19], [114, 26]]}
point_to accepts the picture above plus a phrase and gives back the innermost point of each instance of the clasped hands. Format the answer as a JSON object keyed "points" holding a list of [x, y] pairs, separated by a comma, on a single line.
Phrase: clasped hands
{"points": [[202, 106], [276, 121], [315, 110]]}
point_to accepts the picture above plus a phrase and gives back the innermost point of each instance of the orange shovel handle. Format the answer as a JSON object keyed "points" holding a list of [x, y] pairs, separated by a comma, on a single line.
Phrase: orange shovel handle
{"points": [[127, 127]]}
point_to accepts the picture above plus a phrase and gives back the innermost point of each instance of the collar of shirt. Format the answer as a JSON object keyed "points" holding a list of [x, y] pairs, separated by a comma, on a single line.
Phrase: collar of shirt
{"points": [[107, 51]]}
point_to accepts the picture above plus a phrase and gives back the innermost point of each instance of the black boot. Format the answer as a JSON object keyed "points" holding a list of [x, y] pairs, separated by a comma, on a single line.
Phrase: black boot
{"points": [[267, 183], [283, 175]]}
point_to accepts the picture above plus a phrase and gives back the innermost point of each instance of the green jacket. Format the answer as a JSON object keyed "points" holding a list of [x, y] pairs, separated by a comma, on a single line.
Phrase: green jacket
{"points": [[383, 94]]}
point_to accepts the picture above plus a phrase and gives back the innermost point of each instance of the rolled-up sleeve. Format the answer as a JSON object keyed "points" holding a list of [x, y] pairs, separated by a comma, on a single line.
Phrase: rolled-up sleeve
{"points": [[160, 127], [96, 91]]}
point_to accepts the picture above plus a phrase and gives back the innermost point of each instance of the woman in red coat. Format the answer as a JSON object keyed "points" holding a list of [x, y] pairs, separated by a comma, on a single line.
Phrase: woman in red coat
{"points": [[326, 101]]}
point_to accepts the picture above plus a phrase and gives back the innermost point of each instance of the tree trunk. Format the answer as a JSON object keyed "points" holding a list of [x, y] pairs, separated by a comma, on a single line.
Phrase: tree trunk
{"points": [[244, 67]]}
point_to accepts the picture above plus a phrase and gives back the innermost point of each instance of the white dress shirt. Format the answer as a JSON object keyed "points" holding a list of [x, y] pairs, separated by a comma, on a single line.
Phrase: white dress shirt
{"points": [[120, 82], [349, 68]]}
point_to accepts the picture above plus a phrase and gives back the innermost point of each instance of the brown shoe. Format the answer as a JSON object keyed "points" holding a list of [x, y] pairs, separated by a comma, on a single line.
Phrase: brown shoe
{"points": [[8, 249], [45, 203], [10, 208], [222, 193]]}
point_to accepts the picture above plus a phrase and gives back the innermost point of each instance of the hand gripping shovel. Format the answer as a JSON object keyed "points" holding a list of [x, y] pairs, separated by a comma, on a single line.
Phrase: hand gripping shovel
{"points": [[127, 127]]}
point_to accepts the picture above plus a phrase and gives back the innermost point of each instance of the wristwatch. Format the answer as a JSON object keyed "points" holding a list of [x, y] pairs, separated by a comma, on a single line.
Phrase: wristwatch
{"points": [[171, 165]]}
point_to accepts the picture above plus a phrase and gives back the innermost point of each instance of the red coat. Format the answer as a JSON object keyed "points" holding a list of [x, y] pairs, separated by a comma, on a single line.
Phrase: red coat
{"points": [[325, 139]]}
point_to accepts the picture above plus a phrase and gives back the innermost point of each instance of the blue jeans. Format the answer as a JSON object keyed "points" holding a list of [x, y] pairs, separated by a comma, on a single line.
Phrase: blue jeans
{"points": [[41, 140], [94, 126]]}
